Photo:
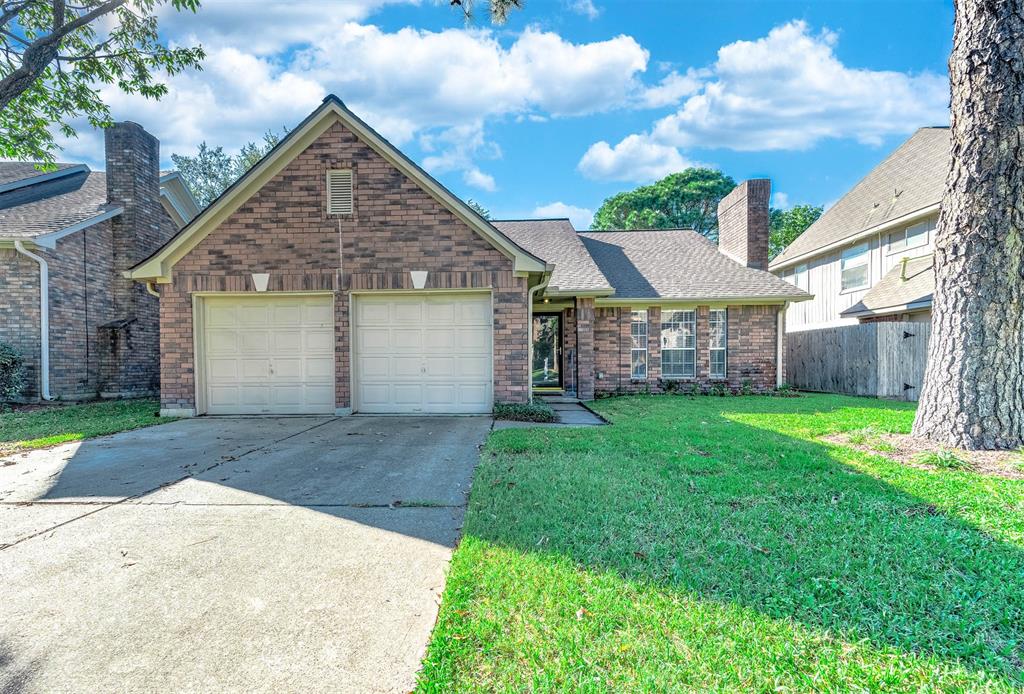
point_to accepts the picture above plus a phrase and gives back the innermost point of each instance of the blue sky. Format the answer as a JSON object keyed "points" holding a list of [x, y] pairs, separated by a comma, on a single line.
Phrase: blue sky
{"points": [[572, 100]]}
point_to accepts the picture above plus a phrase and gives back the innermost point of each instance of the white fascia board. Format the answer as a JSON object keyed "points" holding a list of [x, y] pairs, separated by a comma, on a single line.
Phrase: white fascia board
{"points": [[50, 240], [42, 178]]}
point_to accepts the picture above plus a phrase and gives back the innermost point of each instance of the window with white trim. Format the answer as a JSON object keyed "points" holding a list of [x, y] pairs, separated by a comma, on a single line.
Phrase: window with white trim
{"points": [[854, 267], [339, 191], [800, 276], [678, 344], [718, 340], [911, 237], [638, 346]]}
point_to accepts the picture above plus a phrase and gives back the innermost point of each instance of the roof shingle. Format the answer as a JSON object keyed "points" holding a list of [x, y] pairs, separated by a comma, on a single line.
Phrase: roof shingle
{"points": [[53, 205], [893, 291], [679, 264], [556, 242], [910, 179]]}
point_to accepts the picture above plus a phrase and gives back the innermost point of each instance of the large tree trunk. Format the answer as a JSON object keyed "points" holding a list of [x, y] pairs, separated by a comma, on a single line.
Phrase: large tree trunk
{"points": [[973, 394]]}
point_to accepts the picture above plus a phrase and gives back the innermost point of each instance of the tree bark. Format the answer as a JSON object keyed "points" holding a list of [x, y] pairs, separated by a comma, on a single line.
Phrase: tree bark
{"points": [[973, 395]]}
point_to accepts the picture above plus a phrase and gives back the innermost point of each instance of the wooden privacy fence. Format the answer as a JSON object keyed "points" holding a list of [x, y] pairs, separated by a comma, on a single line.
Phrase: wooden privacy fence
{"points": [[884, 360]]}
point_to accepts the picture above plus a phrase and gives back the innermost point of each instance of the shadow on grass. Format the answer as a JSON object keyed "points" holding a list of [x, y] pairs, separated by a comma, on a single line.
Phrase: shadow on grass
{"points": [[731, 500]]}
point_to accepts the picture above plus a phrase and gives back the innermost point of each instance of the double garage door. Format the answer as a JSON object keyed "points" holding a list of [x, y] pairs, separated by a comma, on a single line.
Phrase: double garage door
{"points": [[266, 354]]}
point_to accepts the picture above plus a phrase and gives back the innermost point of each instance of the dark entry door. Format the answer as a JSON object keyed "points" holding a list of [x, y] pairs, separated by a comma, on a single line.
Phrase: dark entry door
{"points": [[547, 351]]}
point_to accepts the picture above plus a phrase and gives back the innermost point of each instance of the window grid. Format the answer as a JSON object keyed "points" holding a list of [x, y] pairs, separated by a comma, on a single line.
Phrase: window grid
{"points": [[679, 344], [718, 341], [638, 345]]}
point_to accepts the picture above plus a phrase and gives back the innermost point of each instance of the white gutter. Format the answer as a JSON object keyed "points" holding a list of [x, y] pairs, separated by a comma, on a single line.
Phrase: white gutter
{"points": [[780, 336], [44, 319], [860, 236], [50, 240], [529, 332]]}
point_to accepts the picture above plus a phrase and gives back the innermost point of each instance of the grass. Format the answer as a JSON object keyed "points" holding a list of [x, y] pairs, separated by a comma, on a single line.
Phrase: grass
{"points": [[718, 544], [943, 458], [49, 426]]}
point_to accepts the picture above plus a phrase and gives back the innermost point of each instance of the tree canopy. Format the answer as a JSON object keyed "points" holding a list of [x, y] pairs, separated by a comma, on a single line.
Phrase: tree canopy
{"points": [[688, 200], [212, 170], [55, 55], [787, 225]]}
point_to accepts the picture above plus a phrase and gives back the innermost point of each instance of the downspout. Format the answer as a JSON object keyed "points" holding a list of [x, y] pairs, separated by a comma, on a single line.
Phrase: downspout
{"points": [[529, 331], [44, 319], [780, 336], [152, 289]]}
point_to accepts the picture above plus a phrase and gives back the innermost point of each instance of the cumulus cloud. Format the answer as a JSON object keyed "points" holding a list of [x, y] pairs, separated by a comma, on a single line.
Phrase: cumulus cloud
{"points": [[671, 89], [478, 179], [780, 200], [636, 158], [584, 7], [787, 90], [581, 217]]}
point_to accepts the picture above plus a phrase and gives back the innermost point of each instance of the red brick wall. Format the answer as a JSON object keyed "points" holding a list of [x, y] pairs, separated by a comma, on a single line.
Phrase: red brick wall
{"points": [[19, 311], [284, 230], [752, 346], [743, 223]]}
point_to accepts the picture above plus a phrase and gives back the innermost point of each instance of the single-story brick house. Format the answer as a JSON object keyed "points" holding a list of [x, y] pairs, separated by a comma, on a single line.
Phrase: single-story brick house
{"points": [[338, 276], [66, 237]]}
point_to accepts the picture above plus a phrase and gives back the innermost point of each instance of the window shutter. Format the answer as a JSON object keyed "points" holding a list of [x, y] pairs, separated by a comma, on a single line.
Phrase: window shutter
{"points": [[339, 191]]}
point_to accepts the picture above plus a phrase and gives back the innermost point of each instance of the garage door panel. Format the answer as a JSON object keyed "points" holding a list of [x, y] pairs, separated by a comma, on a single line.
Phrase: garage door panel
{"points": [[269, 354], [434, 356]]}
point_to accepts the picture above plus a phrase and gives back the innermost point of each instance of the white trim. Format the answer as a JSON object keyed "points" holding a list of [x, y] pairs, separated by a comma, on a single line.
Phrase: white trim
{"points": [[693, 323], [49, 240], [645, 349], [725, 372], [44, 319], [863, 259], [780, 330], [853, 238], [530, 296], [43, 177], [694, 303], [888, 310]]}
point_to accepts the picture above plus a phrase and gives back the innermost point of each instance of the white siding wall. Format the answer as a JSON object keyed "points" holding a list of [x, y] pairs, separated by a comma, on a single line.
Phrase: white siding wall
{"points": [[823, 280]]}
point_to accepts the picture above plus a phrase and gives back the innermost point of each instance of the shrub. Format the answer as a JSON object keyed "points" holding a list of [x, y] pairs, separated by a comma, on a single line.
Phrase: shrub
{"points": [[720, 389], [12, 372], [747, 388], [943, 458], [524, 412]]}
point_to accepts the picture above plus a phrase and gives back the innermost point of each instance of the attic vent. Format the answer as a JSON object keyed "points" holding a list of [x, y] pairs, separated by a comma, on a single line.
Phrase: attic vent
{"points": [[339, 191]]}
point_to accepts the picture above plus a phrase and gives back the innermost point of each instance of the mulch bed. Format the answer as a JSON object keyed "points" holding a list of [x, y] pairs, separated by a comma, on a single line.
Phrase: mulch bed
{"points": [[906, 449]]}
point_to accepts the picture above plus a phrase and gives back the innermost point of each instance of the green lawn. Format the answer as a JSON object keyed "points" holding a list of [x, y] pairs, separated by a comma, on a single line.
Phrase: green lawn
{"points": [[715, 543], [49, 426]]}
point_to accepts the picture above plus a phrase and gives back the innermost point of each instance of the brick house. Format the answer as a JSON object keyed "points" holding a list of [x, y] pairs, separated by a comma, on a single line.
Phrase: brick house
{"points": [[338, 276], [66, 238]]}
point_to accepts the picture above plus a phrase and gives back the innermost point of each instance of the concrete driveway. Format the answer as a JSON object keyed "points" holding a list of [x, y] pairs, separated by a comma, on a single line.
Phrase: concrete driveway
{"points": [[285, 554]]}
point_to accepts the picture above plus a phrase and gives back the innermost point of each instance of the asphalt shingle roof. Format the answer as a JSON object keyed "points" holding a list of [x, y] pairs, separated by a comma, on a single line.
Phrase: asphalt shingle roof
{"points": [[11, 171], [892, 290], [53, 205], [911, 178], [679, 264], [555, 241]]}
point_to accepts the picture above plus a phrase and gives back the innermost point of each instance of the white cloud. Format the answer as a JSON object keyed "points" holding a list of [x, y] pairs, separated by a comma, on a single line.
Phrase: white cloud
{"points": [[634, 159], [478, 179], [671, 89], [787, 90], [584, 7], [780, 201], [581, 217]]}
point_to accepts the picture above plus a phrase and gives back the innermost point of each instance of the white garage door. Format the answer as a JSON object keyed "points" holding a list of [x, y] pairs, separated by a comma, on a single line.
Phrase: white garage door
{"points": [[268, 354], [429, 353]]}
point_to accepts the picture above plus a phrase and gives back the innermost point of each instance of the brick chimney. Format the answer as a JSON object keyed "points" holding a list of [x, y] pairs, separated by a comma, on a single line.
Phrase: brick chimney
{"points": [[133, 182], [743, 223]]}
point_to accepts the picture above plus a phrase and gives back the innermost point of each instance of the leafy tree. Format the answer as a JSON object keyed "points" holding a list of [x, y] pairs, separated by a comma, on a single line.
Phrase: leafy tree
{"points": [[54, 55], [688, 200], [212, 170], [973, 394], [498, 9], [787, 225], [479, 209]]}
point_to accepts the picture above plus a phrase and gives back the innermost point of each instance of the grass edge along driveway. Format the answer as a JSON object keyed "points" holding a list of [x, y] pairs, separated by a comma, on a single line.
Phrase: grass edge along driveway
{"points": [[22, 430], [716, 543]]}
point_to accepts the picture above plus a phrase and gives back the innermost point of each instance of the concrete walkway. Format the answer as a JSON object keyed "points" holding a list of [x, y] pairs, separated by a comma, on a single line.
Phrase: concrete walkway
{"points": [[262, 554], [570, 414]]}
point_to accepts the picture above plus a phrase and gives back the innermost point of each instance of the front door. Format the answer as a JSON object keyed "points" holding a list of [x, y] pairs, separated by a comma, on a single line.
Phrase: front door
{"points": [[547, 351]]}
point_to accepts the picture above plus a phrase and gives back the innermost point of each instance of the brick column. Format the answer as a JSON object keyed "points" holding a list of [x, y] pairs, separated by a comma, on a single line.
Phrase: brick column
{"points": [[654, 347], [585, 348]]}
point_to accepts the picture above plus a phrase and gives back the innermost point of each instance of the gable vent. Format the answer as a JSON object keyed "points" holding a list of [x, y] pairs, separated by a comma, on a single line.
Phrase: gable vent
{"points": [[339, 191]]}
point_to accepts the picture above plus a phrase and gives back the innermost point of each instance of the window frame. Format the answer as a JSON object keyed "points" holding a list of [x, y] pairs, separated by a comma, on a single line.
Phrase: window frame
{"points": [[851, 254], [690, 319], [634, 337], [927, 226], [723, 348]]}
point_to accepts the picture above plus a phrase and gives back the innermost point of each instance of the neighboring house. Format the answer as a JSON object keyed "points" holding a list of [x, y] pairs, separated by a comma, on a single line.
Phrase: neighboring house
{"points": [[869, 256], [66, 237], [338, 276]]}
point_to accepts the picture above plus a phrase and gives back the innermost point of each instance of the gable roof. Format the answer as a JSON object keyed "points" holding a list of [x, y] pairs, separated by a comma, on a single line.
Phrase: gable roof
{"points": [[556, 241], [680, 264], [158, 266], [899, 289], [47, 206], [906, 184]]}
